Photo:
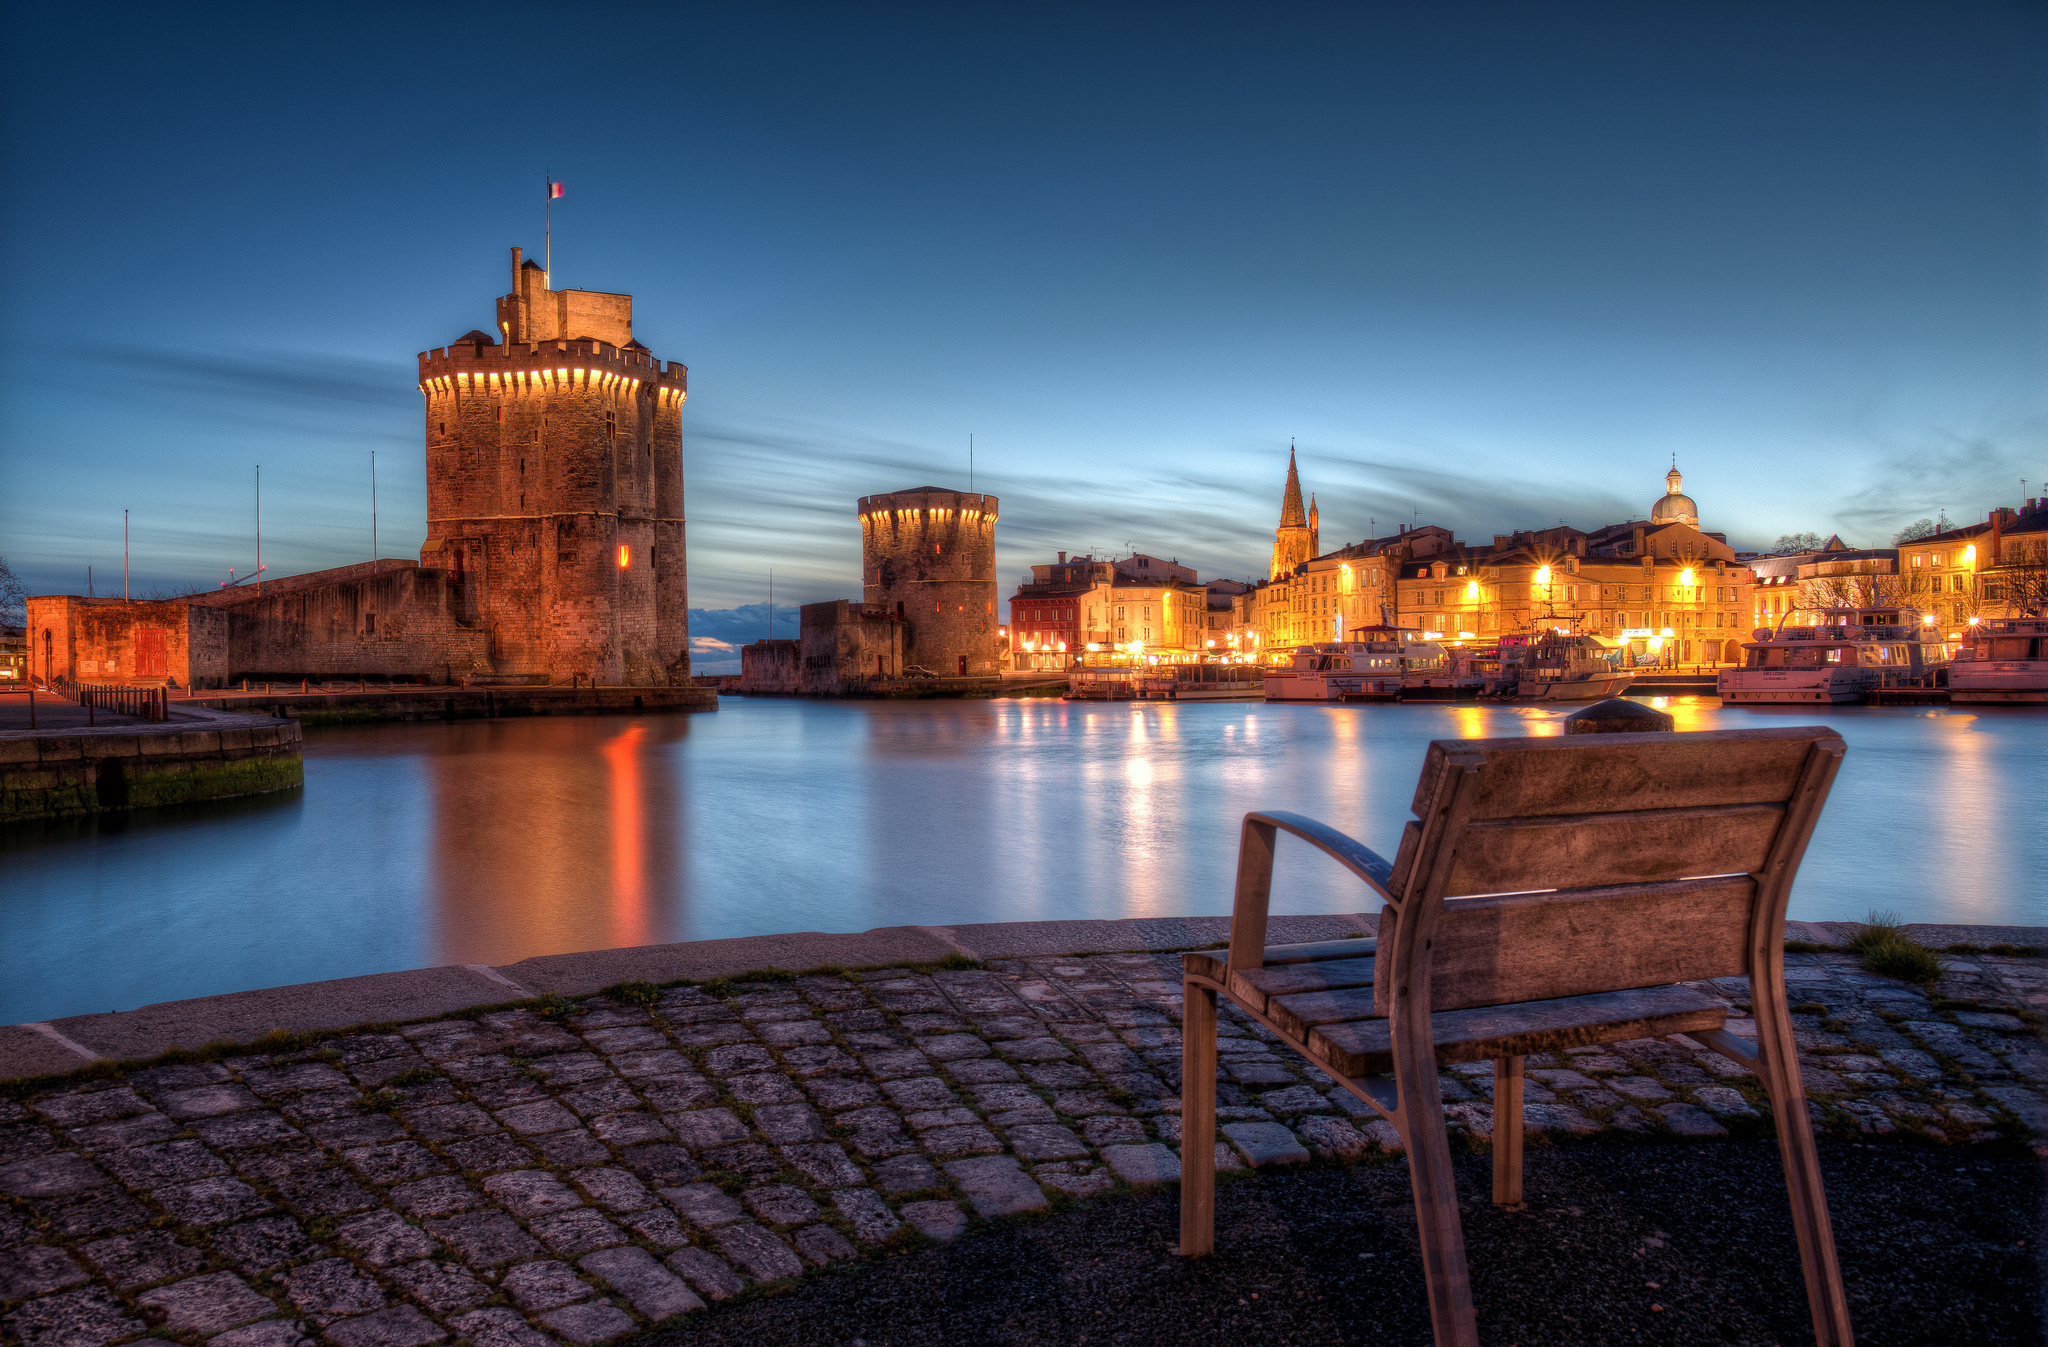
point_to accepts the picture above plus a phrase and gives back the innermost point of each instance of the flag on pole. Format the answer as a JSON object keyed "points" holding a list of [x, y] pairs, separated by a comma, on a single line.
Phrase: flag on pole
{"points": [[554, 190]]}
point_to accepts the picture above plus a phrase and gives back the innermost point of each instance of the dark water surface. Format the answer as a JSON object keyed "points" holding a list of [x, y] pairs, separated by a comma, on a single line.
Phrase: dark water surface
{"points": [[418, 845]]}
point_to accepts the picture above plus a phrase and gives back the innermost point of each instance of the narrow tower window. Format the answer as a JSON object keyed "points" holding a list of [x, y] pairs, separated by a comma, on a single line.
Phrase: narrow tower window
{"points": [[625, 557]]}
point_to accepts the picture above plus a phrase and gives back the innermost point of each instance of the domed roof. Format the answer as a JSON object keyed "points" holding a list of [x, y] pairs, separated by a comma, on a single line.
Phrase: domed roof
{"points": [[1674, 507]]}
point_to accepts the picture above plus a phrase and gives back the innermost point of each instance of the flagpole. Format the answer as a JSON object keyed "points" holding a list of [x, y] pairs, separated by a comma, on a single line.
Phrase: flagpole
{"points": [[547, 193], [373, 507]]}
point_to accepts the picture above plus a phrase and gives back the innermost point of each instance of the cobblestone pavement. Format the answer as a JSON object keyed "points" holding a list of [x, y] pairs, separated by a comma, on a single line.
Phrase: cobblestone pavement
{"points": [[577, 1172]]}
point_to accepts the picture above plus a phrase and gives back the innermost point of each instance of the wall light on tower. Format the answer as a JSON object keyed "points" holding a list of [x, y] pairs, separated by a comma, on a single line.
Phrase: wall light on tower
{"points": [[625, 556]]}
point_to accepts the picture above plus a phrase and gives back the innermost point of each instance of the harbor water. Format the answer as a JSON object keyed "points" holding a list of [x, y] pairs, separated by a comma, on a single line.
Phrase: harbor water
{"points": [[487, 842]]}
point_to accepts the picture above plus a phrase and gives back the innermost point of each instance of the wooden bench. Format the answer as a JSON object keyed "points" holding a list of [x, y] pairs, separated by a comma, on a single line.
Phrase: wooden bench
{"points": [[1552, 894]]}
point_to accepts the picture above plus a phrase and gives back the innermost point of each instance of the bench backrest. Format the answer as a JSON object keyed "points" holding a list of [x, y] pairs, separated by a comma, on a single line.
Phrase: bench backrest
{"points": [[1566, 866]]}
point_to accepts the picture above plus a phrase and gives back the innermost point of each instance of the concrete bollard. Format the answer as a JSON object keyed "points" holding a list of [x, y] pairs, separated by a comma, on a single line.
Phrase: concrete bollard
{"points": [[1617, 715]]}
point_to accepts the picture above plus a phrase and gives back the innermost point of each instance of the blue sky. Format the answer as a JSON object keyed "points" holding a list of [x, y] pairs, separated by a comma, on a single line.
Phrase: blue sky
{"points": [[1491, 266]]}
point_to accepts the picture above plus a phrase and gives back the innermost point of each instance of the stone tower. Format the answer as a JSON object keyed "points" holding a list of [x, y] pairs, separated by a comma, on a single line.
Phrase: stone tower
{"points": [[929, 556], [555, 489], [1295, 541]]}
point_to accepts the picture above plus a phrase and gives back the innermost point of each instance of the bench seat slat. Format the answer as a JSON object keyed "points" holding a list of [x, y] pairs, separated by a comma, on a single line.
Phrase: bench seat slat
{"points": [[1260, 987], [1365, 1047], [1210, 963]]}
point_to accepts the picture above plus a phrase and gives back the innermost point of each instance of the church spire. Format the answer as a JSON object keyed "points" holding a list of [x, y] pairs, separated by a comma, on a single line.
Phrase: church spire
{"points": [[1291, 515]]}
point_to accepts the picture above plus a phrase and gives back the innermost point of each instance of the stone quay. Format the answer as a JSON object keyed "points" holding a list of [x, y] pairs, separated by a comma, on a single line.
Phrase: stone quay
{"points": [[576, 1167]]}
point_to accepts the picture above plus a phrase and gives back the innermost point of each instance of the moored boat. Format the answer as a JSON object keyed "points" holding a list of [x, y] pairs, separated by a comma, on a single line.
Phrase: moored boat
{"points": [[2003, 663], [1848, 653], [1558, 666]]}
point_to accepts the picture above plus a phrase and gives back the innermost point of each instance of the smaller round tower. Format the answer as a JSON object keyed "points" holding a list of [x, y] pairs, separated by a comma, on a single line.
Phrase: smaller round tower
{"points": [[928, 555]]}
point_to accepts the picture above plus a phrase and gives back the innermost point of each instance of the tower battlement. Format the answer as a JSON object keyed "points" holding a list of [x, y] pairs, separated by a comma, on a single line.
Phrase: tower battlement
{"points": [[529, 366]]}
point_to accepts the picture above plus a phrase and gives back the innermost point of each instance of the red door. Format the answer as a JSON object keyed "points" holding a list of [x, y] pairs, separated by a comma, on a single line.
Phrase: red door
{"points": [[151, 659], [963, 666]]}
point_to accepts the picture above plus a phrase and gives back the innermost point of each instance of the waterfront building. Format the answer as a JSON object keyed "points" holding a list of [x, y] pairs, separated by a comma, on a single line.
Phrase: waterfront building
{"points": [[1057, 613], [554, 548], [2015, 582]]}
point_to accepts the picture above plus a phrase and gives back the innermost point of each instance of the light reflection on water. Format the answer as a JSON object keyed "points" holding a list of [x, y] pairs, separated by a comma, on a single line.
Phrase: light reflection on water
{"points": [[419, 845]]}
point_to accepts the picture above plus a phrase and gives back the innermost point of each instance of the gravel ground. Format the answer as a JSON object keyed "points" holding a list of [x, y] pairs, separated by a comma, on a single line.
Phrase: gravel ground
{"points": [[1664, 1243]]}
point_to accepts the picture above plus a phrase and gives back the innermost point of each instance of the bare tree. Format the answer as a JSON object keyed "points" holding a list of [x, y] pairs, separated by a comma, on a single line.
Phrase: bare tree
{"points": [[1919, 528], [1798, 542], [13, 597]]}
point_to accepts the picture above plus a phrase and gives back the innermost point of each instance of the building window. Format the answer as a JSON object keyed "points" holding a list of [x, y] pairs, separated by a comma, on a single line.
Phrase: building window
{"points": [[369, 624]]}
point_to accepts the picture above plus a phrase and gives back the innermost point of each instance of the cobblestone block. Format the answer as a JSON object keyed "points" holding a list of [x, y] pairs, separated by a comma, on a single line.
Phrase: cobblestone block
{"points": [[952, 1047], [368, 1129], [677, 1093], [906, 1174], [441, 1287], [867, 1213], [394, 1162], [498, 1327], [331, 1289], [382, 1238], [760, 1253], [1113, 1131], [574, 1147], [595, 1321], [207, 1101], [324, 1192], [657, 1226], [738, 1059], [79, 1107], [1916, 1064], [836, 1094], [544, 1285], [211, 1201], [256, 1128], [614, 1189], [264, 1333], [442, 1196], [1036, 1143], [261, 1245], [941, 1221], [996, 1185], [652, 1289], [921, 1092], [570, 1233], [708, 1127], [1151, 1163], [1266, 1143], [765, 1088], [630, 1128], [891, 1066], [2024, 1104], [87, 1318], [929, 1118], [530, 1192], [399, 1326], [711, 1275], [139, 1259], [1296, 1099], [818, 1061], [823, 1163], [1690, 1120], [780, 1204], [1639, 1087], [745, 1158], [484, 1238], [981, 1071], [23, 1142], [536, 1118], [1332, 1136], [165, 1163], [821, 1245], [975, 1140], [1035, 1050], [703, 1205], [609, 1095], [789, 1124], [794, 1033], [1724, 1101], [208, 1304], [37, 1269]]}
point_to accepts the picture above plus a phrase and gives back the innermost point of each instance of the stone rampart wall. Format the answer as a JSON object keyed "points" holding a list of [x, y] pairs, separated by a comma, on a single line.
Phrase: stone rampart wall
{"points": [[49, 774]]}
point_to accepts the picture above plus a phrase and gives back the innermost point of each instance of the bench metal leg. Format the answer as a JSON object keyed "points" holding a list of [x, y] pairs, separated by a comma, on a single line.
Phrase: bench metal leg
{"points": [[1507, 1131], [1197, 1120]]}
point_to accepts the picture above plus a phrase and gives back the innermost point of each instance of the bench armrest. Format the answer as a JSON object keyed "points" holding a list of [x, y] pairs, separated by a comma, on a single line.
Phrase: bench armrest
{"points": [[1255, 875]]}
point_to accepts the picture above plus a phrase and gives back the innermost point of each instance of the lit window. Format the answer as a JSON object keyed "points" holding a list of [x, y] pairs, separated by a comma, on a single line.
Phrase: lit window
{"points": [[625, 557]]}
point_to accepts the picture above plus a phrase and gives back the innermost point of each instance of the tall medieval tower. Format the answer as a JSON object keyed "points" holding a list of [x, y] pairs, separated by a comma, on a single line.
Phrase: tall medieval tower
{"points": [[555, 489], [1298, 537], [929, 556]]}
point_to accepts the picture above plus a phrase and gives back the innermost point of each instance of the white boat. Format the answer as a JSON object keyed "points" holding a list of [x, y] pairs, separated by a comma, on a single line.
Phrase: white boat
{"points": [[2004, 663], [1204, 683], [1371, 668], [1556, 666], [1850, 652]]}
